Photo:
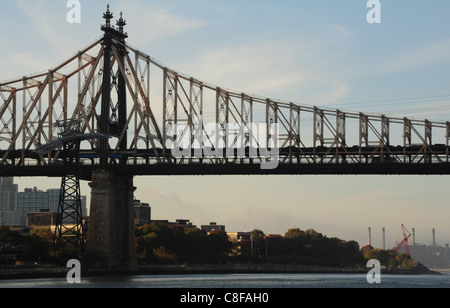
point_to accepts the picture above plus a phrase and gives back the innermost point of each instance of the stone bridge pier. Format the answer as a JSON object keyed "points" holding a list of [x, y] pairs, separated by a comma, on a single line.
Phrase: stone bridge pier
{"points": [[111, 237]]}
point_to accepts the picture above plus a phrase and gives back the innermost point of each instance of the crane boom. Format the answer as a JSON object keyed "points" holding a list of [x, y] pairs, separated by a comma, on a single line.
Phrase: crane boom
{"points": [[406, 236]]}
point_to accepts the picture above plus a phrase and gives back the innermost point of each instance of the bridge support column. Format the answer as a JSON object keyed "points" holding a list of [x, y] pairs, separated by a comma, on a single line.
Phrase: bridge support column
{"points": [[111, 238]]}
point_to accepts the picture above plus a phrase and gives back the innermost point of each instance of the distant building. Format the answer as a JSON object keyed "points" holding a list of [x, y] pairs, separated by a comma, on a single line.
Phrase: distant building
{"points": [[213, 226], [142, 213], [239, 236], [33, 200], [8, 202], [240, 240], [183, 223], [430, 255], [44, 218], [366, 248]]}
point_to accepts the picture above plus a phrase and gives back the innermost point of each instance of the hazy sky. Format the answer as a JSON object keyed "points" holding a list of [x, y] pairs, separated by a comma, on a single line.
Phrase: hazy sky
{"points": [[315, 52]]}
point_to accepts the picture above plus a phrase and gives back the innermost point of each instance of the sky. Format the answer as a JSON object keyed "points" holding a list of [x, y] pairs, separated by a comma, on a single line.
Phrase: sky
{"points": [[313, 52]]}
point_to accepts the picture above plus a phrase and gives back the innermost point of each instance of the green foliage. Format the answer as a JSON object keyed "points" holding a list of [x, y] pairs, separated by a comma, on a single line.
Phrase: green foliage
{"points": [[30, 249], [160, 243], [384, 256], [405, 262], [312, 247], [391, 259]]}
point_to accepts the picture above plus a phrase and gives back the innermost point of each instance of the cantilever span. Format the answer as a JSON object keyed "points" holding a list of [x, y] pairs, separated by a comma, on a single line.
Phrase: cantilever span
{"points": [[152, 112]]}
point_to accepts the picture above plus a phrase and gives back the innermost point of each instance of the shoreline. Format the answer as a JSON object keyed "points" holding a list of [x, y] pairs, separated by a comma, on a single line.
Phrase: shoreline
{"points": [[19, 273]]}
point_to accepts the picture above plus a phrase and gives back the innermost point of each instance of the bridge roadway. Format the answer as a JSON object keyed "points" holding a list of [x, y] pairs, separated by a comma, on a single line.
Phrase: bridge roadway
{"points": [[292, 161]]}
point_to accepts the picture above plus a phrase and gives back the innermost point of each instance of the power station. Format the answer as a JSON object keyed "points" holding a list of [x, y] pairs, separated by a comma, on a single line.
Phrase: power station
{"points": [[432, 255]]}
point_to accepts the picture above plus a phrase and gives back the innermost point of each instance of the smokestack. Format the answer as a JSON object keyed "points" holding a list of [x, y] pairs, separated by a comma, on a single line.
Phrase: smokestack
{"points": [[413, 236], [384, 238], [370, 236], [434, 237]]}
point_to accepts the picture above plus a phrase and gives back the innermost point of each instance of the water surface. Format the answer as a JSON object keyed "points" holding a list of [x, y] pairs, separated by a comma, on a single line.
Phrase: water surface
{"points": [[236, 281]]}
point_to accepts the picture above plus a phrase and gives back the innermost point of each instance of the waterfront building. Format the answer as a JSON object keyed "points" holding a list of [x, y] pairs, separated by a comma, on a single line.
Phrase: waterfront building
{"points": [[33, 200], [213, 226], [8, 202], [44, 218], [142, 213], [183, 223]]}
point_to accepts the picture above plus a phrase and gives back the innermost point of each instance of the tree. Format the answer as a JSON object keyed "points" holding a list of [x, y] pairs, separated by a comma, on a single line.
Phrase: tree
{"points": [[381, 255], [294, 233], [36, 247], [153, 242], [158, 242], [257, 243], [218, 245], [405, 261], [313, 235], [44, 233]]}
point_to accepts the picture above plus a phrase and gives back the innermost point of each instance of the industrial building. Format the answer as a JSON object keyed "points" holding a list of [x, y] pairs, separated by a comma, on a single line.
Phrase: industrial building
{"points": [[433, 256]]}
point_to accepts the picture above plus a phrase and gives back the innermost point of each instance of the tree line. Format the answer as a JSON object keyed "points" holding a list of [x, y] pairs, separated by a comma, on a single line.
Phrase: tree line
{"points": [[159, 243]]}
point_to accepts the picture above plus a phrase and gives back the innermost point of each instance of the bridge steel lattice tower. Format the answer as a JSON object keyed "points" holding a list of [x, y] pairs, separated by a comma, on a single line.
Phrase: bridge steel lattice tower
{"points": [[69, 219]]}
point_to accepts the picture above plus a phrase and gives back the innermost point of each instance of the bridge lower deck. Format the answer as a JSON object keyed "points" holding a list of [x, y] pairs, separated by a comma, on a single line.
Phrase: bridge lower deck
{"points": [[433, 160]]}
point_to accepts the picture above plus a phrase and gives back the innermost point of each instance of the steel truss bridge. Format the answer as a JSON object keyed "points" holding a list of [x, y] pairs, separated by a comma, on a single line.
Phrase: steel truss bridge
{"points": [[113, 89]]}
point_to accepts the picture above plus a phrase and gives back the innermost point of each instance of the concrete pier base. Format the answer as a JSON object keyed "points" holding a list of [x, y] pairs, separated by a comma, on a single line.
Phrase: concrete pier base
{"points": [[111, 238]]}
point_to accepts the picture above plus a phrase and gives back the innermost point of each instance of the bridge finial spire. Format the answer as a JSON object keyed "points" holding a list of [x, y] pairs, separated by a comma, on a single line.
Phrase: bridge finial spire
{"points": [[108, 16], [121, 23]]}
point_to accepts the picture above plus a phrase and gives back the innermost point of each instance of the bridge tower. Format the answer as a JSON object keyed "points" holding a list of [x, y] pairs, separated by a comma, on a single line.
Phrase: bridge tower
{"points": [[111, 240], [114, 95], [69, 219]]}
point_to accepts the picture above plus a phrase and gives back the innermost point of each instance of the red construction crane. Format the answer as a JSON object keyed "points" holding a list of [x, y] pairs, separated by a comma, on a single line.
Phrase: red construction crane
{"points": [[406, 236]]}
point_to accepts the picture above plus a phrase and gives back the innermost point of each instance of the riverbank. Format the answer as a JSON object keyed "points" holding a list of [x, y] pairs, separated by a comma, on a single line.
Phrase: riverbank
{"points": [[237, 268], [34, 272], [183, 269], [245, 268]]}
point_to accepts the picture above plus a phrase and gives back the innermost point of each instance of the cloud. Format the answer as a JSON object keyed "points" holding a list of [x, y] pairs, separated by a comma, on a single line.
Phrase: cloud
{"points": [[169, 204], [419, 58], [404, 59], [149, 21], [44, 19], [19, 64], [284, 69], [256, 67]]}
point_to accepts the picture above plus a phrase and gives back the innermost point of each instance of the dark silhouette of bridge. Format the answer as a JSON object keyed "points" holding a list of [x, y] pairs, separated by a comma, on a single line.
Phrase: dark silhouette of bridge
{"points": [[136, 116]]}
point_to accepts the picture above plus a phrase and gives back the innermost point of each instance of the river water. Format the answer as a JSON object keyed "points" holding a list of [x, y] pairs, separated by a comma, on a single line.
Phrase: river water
{"points": [[239, 281]]}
